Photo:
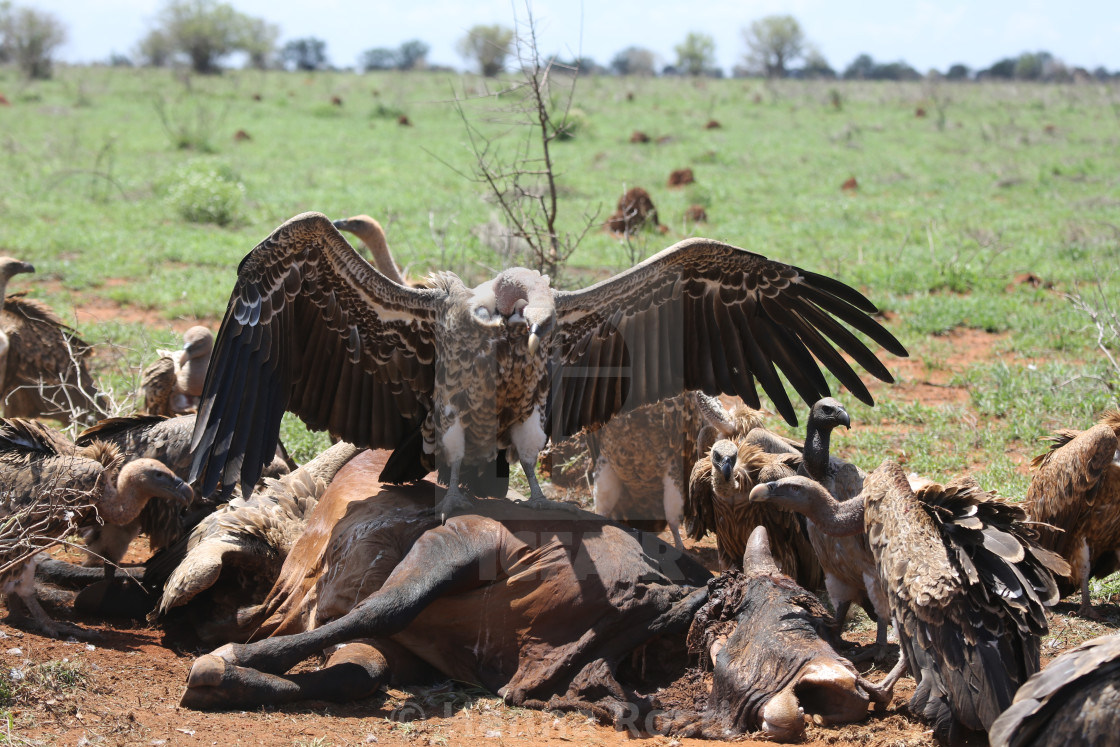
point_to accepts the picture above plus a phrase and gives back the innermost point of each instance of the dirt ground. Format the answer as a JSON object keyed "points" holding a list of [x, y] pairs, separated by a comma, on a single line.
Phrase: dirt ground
{"points": [[124, 687]]}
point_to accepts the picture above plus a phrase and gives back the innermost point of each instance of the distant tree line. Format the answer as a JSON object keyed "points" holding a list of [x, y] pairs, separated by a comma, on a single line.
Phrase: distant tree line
{"points": [[204, 34]]}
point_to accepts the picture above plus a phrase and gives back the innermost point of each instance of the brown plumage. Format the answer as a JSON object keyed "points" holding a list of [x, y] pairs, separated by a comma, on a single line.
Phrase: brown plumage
{"points": [[718, 502], [642, 460], [966, 583], [167, 440], [247, 540], [52, 487], [173, 384], [1076, 491], [43, 363], [1074, 702], [450, 376]]}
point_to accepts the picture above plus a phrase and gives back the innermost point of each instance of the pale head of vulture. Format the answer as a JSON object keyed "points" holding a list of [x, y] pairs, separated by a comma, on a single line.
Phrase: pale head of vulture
{"points": [[10, 267]]}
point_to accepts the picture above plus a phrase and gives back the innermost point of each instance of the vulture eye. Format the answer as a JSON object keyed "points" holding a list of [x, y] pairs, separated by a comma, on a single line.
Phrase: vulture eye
{"points": [[482, 313]]}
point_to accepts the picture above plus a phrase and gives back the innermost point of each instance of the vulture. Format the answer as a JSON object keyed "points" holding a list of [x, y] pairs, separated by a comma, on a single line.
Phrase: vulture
{"points": [[966, 582], [467, 380], [43, 363], [173, 384], [166, 440], [52, 487], [1076, 492], [642, 459], [848, 564], [1074, 702], [718, 502]]}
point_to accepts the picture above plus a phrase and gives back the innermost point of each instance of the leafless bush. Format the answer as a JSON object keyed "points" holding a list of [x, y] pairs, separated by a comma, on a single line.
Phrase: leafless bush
{"points": [[1102, 313], [524, 185]]}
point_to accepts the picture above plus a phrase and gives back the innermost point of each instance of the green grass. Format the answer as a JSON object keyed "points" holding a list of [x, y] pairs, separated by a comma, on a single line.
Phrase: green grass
{"points": [[1017, 179]]}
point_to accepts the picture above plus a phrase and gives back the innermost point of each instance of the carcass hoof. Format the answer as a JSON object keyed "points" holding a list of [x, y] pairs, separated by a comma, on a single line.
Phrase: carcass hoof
{"points": [[204, 689]]}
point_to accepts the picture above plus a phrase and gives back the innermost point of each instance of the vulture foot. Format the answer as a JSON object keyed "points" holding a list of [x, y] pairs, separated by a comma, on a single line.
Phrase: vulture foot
{"points": [[875, 652], [454, 502], [1089, 612], [28, 614]]}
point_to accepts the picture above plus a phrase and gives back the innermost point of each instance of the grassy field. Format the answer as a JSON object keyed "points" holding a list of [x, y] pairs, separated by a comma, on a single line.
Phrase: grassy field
{"points": [[107, 173]]}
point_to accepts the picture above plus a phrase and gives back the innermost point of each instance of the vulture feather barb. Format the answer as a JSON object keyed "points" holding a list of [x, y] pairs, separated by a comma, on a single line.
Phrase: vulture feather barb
{"points": [[450, 376], [52, 487], [1075, 495], [43, 363], [966, 582], [1074, 702]]}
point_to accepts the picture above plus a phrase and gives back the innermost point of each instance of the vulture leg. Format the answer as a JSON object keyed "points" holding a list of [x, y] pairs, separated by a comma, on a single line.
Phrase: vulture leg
{"points": [[1083, 568], [528, 438], [3, 356], [445, 560], [883, 692], [672, 500], [454, 501], [36, 618]]}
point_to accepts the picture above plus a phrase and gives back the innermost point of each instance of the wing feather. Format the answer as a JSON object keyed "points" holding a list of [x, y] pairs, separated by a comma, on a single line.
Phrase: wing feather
{"points": [[738, 315], [313, 328]]}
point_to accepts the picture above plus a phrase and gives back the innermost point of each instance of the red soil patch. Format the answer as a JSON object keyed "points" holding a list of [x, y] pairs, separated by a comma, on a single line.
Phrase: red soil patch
{"points": [[403, 121], [850, 184], [4, 100], [629, 95], [919, 112], [637, 136], [241, 136], [681, 177], [336, 100], [635, 209], [256, 97], [1028, 278], [1050, 129], [712, 124]]}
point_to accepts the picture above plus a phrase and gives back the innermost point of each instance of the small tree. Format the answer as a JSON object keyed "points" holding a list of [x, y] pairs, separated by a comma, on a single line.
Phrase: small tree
{"points": [[489, 46], [258, 39], [412, 55], [773, 43], [633, 61], [307, 53], [204, 31], [816, 66], [696, 54], [958, 72], [379, 58], [30, 37]]}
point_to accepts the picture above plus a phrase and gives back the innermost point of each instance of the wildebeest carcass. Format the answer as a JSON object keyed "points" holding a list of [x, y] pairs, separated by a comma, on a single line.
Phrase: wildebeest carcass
{"points": [[538, 606]]}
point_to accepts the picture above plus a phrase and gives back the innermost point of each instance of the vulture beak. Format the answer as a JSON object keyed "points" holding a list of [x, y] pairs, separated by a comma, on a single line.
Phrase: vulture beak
{"points": [[759, 493], [184, 494], [845, 419], [341, 225], [725, 469], [534, 339]]}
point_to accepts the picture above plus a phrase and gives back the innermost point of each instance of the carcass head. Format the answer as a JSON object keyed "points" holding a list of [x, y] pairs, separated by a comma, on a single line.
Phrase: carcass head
{"points": [[772, 665]]}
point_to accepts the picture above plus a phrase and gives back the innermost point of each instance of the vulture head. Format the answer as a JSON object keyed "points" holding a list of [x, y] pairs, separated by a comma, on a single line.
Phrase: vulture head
{"points": [[517, 296], [198, 342], [828, 413], [771, 663], [725, 457], [138, 482], [10, 267]]}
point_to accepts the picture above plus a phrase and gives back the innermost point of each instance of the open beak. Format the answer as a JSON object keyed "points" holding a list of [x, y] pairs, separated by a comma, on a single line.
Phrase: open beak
{"points": [[534, 339]]}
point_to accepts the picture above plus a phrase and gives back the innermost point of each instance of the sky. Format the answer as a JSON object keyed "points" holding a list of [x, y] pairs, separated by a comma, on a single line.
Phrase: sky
{"points": [[925, 34]]}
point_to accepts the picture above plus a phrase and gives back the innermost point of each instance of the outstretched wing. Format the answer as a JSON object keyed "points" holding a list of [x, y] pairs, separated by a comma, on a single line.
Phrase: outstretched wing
{"points": [[312, 328], [710, 316]]}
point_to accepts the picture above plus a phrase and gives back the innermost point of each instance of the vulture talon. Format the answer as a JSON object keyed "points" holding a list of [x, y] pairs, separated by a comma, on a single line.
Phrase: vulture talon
{"points": [[540, 503], [454, 502]]}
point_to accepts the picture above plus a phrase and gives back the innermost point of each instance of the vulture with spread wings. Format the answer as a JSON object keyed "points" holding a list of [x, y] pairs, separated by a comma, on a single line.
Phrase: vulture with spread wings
{"points": [[451, 376]]}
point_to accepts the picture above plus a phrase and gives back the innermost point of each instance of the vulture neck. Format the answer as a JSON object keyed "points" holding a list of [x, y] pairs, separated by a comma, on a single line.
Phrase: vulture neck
{"points": [[831, 516], [816, 450], [325, 466], [373, 236]]}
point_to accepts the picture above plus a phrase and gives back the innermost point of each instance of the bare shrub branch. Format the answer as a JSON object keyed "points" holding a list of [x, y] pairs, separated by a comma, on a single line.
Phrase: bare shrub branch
{"points": [[1104, 317]]}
